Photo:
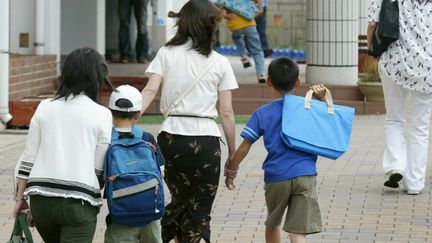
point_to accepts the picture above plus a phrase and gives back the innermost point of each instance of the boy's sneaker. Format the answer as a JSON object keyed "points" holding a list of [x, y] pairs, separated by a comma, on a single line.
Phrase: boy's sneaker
{"points": [[261, 78], [394, 177], [246, 62]]}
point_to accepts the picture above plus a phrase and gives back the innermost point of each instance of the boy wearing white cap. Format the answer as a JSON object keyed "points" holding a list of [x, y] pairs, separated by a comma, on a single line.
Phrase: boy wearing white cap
{"points": [[125, 104]]}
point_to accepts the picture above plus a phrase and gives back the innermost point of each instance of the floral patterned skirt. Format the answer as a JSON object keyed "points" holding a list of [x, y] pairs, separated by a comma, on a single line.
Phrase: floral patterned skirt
{"points": [[192, 170]]}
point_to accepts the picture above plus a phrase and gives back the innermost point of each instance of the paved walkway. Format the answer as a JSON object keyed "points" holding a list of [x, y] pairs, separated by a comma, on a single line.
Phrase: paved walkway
{"points": [[354, 205]]}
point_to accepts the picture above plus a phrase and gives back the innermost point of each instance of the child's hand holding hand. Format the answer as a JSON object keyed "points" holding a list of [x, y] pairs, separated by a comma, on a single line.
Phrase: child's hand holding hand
{"points": [[319, 91], [230, 175]]}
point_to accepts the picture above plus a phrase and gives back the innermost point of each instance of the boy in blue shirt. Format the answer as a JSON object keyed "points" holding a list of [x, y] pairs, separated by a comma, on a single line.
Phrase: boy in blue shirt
{"points": [[289, 174]]}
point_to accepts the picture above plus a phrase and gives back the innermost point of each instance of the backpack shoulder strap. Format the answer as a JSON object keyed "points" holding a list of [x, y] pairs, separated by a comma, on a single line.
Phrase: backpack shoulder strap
{"points": [[114, 134], [137, 132]]}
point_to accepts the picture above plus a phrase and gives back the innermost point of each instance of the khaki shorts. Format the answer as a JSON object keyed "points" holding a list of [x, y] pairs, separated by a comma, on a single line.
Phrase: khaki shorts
{"points": [[150, 233], [298, 196]]}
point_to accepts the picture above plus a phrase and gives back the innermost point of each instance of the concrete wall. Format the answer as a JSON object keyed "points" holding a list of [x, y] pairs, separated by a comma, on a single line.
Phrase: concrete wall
{"points": [[82, 25], [22, 19]]}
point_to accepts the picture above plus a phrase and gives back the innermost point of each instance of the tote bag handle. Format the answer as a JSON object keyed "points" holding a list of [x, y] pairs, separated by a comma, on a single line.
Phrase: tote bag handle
{"points": [[328, 98]]}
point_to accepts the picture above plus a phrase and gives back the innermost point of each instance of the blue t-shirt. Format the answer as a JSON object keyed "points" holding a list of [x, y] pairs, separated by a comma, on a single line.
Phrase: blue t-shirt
{"points": [[282, 162]]}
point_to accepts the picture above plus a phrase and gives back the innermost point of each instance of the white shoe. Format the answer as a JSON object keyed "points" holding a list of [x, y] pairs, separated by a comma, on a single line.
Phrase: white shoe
{"points": [[412, 192]]}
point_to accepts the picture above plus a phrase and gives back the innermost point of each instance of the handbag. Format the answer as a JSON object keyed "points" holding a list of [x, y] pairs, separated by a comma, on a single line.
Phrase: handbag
{"points": [[387, 29], [21, 226], [316, 127], [245, 8]]}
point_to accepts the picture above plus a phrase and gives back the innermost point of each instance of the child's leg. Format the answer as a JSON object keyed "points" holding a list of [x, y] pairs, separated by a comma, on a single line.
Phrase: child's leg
{"points": [[297, 238], [272, 235], [254, 44], [238, 38], [151, 233], [277, 195]]}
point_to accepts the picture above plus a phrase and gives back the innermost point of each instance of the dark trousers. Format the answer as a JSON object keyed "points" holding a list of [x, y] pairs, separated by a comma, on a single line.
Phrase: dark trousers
{"points": [[124, 12], [64, 220], [192, 170], [261, 28]]}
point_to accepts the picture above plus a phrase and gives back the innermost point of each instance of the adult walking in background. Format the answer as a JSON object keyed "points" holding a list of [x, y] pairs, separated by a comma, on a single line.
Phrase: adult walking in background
{"points": [[64, 154], [141, 46], [261, 25], [193, 79], [405, 68]]}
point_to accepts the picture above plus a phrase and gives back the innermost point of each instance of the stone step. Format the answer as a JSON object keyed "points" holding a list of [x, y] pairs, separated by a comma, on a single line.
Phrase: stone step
{"points": [[246, 99]]}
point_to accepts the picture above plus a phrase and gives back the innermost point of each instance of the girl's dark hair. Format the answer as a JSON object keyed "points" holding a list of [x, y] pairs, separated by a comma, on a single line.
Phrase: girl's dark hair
{"points": [[86, 71], [198, 20], [283, 73]]}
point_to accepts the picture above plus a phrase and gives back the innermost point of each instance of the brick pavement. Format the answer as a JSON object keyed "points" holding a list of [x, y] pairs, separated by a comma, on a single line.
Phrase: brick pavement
{"points": [[354, 205]]}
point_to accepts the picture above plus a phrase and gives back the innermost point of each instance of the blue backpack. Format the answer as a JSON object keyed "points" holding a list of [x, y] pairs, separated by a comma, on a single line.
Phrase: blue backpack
{"points": [[133, 181]]}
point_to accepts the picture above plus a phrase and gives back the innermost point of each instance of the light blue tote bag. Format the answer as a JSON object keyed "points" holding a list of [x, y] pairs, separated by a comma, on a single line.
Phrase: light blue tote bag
{"points": [[316, 127]]}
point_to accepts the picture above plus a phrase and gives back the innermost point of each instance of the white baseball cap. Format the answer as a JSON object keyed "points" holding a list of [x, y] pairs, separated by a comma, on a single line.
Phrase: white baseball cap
{"points": [[129, 93]]}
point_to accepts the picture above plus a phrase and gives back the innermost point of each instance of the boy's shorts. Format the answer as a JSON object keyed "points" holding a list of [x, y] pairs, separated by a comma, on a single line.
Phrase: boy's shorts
{"points": [[299, 197], [150, 233]]}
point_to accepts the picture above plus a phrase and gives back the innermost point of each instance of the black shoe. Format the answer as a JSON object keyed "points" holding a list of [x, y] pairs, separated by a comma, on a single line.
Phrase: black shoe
{"points": [[246, 62], [393, 181], [261, 78], [268, 52], [141, 60]]}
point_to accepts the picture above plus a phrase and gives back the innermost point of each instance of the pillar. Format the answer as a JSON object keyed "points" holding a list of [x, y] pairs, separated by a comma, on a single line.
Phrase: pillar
{"points": [[363, 13], [332, 41], [5, 117]]}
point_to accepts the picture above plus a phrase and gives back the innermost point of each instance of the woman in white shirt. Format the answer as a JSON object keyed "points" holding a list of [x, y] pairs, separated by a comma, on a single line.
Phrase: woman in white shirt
{"points": [[406, 68], [62, 163], [193, 78]]}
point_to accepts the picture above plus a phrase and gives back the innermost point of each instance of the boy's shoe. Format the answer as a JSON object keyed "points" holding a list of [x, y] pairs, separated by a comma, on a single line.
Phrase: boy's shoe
{"points": [[394, 178], [246, 62], [261, 78], [412, 192]]}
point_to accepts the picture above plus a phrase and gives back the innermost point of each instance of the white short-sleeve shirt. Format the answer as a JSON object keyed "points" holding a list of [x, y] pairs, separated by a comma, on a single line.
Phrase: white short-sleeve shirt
{"points": [[408, 61], [180, 66]]}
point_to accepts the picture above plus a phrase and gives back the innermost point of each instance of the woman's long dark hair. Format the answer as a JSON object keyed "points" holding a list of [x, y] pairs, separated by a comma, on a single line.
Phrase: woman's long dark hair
{"points": [[197, 20], [84, 71]]}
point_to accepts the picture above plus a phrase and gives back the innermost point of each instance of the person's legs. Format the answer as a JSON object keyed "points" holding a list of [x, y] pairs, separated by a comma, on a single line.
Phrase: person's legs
{"points": [[415, 171], [297, 238], [192, 173], [261, 28], [277, 196], [43, 215], [121, 233], [151, 233], [303, 215], [395, 153], [141, 47], [272, 235], [63, 220], [124, 12], [254, 44], [79, 221], [238, 38]]}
